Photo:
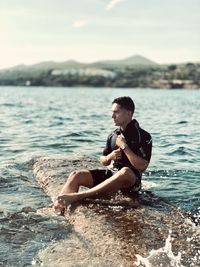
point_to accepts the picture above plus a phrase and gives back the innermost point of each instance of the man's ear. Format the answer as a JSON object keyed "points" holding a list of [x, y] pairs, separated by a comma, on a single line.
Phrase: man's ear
{"points": [[130, 113]]}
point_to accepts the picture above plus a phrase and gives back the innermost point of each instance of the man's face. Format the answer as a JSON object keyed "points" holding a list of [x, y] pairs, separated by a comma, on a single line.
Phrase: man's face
{"points": [[120, 115]]}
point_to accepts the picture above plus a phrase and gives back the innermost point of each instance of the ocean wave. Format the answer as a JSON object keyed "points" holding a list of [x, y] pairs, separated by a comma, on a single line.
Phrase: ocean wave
{"points": [[25, 233]]}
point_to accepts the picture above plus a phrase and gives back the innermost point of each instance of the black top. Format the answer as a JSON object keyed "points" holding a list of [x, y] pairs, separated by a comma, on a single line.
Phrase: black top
{"points": [[137, 139]]}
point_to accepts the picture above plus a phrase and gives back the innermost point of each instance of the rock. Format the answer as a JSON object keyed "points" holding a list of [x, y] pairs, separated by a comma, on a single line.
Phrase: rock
{"points": [[110, 232]]}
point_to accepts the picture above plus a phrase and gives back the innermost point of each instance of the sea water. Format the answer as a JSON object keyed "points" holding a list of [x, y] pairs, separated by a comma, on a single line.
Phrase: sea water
{"points": [[38, 121]]}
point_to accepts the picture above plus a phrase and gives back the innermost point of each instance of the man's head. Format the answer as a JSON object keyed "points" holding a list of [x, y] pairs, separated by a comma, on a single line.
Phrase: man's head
{"points": [[122, 110]]}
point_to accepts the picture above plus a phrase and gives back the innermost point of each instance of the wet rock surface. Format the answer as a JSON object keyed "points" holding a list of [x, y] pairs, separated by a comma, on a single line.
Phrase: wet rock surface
{"points": [[110, 232]]}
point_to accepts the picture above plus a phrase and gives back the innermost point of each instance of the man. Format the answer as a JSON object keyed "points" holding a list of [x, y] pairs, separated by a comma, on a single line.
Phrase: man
{"points": [[127, 155]]}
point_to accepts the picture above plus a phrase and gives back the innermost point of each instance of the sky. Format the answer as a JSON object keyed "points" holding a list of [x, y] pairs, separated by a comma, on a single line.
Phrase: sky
{"points": [[32, 31]]}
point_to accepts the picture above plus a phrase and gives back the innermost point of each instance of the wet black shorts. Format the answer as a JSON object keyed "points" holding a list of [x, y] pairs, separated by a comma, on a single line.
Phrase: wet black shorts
{"points": [[100, 175]]}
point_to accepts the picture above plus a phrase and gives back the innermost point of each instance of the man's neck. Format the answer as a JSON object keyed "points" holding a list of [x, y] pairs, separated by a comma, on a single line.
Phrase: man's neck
{"points": [[123, 127]]}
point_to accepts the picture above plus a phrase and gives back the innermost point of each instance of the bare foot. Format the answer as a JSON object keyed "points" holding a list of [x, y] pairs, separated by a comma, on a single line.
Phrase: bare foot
{"points": [[59, 208], [66, 200]]}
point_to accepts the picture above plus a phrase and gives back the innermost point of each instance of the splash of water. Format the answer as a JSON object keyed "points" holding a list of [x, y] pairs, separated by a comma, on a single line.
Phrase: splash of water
{"points": [[162, 257], [147, 184], [196, 216]]}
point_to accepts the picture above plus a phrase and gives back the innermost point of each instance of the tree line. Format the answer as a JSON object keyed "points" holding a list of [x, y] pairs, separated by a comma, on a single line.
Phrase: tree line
{"points": [[171, 76]]}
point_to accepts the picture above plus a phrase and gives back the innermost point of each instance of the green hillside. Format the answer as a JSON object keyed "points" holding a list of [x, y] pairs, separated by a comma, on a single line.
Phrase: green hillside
{"points": [[135, 71]]}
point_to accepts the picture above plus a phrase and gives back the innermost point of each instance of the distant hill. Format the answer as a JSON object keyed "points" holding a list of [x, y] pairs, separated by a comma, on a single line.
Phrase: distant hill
{"points": [[135, 60], [45, 66], [131, 72]]}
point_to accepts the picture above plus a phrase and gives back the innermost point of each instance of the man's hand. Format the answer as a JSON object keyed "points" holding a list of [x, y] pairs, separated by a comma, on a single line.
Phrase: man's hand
{"points": [[115, 154], [120, 140]]}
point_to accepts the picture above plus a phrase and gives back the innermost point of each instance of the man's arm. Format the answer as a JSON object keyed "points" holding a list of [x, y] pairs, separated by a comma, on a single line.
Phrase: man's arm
{"points": [[139, 163], [114, 155], [105, 160]]}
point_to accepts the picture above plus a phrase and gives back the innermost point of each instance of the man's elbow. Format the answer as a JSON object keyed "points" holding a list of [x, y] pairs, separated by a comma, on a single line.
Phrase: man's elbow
{"points": [[142, 166], [103, 161]]}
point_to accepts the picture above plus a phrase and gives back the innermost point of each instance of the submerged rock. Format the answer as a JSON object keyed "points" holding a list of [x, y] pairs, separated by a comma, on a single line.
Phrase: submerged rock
{"points": [[111, 232]]}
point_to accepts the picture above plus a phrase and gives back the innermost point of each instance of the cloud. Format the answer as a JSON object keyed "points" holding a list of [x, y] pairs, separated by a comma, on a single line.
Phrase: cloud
{"points": [[79, 23], [113, 3]]}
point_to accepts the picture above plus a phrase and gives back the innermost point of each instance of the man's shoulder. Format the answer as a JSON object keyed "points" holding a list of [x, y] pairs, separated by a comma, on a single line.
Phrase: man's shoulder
{"points": [[145, 136], [145, 133]]}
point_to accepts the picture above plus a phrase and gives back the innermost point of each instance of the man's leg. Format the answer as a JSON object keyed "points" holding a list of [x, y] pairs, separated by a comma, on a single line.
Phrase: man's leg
{"points": [[77, 179], [124, 178], [74, 181]]}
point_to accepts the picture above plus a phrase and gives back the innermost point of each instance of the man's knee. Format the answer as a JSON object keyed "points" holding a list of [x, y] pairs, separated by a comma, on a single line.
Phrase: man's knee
{"points": [[125, 171], [75, 174], [126, 176], [80, 177]]}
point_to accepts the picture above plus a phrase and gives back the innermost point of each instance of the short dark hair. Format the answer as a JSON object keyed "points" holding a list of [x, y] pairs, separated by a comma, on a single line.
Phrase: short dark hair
{"points": [[125, 102]]}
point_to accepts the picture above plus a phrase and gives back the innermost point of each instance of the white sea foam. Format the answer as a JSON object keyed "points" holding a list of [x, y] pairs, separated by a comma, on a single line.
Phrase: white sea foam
{"points": [[147, 185], [162, 257]]}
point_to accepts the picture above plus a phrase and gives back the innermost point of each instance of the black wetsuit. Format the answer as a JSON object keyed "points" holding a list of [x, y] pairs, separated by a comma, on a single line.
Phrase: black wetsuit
{"points": [[138, 140]]}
